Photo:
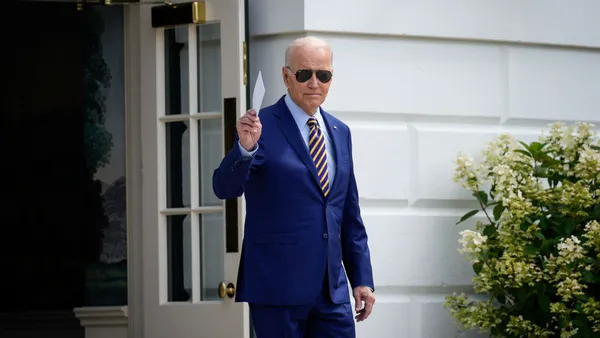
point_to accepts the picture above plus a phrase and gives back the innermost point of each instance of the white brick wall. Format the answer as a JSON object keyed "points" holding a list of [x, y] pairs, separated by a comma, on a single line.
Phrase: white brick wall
{"points": [[417, 82]]}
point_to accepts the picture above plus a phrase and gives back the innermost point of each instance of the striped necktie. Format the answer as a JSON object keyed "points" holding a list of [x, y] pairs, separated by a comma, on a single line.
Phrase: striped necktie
{"points": [[318, 152]]}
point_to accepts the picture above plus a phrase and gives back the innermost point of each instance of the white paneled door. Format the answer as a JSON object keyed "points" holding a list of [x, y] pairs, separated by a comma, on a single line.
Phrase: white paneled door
{"points": [[192, 83]]}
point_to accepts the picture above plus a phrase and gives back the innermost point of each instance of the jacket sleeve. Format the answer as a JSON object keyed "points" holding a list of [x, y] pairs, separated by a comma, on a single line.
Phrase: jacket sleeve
{"points": [[229, 179], [355, 249]]}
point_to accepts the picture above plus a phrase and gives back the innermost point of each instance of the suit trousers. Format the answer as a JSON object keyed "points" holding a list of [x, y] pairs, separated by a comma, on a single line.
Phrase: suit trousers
{"points": [[319, 319]]}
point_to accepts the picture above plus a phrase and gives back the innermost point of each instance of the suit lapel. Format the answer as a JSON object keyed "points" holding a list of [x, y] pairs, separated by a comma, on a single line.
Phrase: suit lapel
{"points": [[288, 126], [334, 135]]}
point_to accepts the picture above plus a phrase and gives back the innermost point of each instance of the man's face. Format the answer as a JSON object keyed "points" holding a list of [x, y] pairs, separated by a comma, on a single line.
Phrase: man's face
{"points": [[310, 94]]}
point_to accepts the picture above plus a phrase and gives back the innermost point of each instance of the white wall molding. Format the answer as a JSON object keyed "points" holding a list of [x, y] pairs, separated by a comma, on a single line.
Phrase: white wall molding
{"points": [[438, 39], [546, 22]]}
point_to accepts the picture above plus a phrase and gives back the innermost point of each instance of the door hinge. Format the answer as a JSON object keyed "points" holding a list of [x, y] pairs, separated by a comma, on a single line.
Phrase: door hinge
{"points": [[245, 60]]}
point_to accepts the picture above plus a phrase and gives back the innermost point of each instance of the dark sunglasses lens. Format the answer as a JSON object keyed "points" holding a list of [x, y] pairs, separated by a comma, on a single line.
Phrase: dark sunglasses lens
{"points": [[324, 75], [303, 75]]}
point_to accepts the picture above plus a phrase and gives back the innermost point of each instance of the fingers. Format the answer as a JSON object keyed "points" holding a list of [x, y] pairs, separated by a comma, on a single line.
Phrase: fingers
{"points": [[245, 121], [251, 113], [249, 122], [358, 300], [251, 116], [365, 300], [366, 311]]}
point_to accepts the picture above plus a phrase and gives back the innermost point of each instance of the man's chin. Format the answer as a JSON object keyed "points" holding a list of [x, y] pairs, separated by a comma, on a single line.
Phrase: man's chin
{"points": [[313, 101], [312, 108]]}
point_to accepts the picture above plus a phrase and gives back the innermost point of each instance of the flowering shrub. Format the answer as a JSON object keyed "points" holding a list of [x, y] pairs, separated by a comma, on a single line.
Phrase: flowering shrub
{"points": [[536, 256]]}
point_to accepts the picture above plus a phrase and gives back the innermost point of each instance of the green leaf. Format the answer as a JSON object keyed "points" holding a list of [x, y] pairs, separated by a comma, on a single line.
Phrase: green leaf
{"points": [[521, 151], [537, 146], [524, 226], [481, 197], [569, 226], [588, 276], [498, 209], [540, 235], [595, 147], [564, 226], [521, 294], [536, 150], [547, 245], [531, 250], [544, 158], [579, 321], [485, 256], [544, 302], [477, 267], [489, 230], [557, 179], [543, 223], [586, 332], [468, 215], [526, 146]]}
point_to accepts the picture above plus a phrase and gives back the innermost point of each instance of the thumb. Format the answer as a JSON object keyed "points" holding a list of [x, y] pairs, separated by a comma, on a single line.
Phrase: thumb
{"points": [[358, 299]]}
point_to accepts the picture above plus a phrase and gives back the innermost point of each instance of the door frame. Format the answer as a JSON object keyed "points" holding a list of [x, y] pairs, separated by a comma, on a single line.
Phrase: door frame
{"points": [[134, 105]]}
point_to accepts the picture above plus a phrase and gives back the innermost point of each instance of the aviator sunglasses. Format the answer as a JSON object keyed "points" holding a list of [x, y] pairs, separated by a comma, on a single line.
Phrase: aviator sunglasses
{"points": [[303, 75]]}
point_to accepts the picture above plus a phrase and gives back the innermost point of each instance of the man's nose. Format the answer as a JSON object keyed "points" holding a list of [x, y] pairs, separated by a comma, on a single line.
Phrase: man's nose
{"points": [[313, 82]]}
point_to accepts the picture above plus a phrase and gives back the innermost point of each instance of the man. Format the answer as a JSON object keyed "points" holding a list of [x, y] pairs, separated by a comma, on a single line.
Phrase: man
{"points": [[294, 164]]}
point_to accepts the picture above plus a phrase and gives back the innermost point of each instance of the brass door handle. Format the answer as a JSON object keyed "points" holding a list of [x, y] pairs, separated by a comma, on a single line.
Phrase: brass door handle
{"points": [[228, 290]]}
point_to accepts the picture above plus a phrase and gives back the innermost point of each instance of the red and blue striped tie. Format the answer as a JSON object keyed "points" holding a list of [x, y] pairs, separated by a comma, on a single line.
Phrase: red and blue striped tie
{"points": [[318, 152]]}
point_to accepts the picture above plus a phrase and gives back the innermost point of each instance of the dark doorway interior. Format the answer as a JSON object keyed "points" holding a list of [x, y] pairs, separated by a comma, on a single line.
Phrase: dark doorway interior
{"points": [[53, 216]]}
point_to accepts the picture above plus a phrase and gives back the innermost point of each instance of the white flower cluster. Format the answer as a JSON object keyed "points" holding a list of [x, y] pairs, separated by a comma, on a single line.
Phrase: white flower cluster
{"points": [[588, 166], [466, 172], [592, 234], [571, 141], [570, 249], [471, 242]]}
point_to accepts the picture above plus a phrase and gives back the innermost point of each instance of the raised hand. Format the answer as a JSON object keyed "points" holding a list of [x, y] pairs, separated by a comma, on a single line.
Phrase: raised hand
{"points": [[249, 130]]}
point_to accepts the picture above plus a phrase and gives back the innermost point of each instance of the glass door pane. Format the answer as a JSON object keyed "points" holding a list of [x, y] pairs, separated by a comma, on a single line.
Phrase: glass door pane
{"points": [[209, 67], [195, 226]]}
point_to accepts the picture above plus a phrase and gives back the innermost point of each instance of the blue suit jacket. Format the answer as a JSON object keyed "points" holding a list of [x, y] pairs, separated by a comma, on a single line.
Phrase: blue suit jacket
{"points": [[293, 234]]}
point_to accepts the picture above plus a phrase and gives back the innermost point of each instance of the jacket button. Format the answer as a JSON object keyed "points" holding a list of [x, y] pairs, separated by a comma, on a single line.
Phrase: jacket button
{"points": [[325, 235]]}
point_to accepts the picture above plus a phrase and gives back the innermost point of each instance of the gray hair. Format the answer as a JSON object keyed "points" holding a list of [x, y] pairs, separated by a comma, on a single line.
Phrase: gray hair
{"points": [[307, 41]]}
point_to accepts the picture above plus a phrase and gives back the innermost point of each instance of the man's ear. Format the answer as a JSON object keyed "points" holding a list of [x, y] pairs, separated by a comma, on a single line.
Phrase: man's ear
{"points": [[286, 76]]}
